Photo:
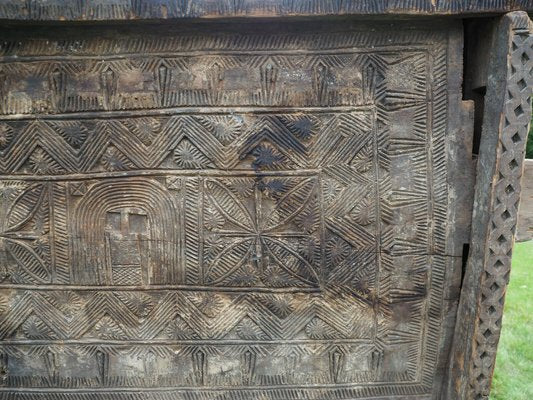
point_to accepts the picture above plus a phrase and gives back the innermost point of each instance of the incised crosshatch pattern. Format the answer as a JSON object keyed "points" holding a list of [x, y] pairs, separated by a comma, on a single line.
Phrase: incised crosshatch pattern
{"points": [[222, 216]]}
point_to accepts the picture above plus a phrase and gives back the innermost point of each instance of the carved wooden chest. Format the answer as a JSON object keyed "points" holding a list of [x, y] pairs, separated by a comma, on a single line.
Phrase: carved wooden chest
{"points": [[259, 208]]}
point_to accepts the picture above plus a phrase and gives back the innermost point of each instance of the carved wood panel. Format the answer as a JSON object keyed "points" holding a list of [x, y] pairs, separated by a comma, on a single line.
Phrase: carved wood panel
{"points": [[226, 215]]}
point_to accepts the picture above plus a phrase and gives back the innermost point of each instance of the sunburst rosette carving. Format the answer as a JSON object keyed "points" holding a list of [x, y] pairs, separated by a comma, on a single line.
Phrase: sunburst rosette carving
{"points": [[4, 303], [330, 190], [337, 250], [209, 303], [35, 328], [363, 160], [66, 301], [262, 231], [305, 127], [267, 157], [364, 212], [319, 330], [242, 187], [141, 304], [73, 132], [108, 329], [187, 156], [41, 163], [226, 128], [144, 128], [280, 304], [10, 190], [6, 135]]}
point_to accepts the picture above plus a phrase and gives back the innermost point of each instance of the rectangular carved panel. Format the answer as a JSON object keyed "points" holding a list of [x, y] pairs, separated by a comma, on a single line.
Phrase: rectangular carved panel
{"points": [[222, 215]]}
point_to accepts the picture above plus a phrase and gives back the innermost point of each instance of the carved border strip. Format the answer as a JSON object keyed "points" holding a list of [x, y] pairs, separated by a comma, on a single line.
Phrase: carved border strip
{"points": [[167, 9], [505, 129], [179, 42]]}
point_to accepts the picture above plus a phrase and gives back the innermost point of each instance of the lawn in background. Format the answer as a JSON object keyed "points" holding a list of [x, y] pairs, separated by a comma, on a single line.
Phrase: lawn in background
{"points": [[513, 375]]}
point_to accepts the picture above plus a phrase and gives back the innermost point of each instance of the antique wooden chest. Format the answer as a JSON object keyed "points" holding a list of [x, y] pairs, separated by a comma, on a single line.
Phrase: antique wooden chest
{"points": [[257, 199]]}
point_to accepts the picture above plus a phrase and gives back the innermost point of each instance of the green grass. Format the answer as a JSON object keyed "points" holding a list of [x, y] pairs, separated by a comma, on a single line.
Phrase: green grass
{"points": [[513, 376]]}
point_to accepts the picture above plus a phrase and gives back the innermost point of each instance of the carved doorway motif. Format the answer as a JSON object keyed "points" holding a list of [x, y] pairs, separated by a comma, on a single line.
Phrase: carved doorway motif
{"points": [[127, 242], [127, 233]]}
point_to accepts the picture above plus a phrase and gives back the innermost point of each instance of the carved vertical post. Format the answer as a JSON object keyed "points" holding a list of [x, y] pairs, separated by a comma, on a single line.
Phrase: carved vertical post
{"points": [[50, 360], [507, 113], [248, 363], [102, 359], [336, 365], [3, 367], [199, 362]]}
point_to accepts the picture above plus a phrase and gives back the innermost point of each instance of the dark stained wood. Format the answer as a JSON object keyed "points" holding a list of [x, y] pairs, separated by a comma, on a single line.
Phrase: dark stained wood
{"points": [[254, 209], [499, 169], [106, 10]]}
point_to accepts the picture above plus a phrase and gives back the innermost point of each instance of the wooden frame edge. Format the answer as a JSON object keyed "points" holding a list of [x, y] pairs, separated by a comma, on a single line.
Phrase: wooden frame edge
{"points": [[506, 119]]}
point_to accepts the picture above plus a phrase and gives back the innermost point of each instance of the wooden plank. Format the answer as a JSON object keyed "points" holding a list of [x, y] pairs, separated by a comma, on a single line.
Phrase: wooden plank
{"points": [[114, 10], [506, 120]]}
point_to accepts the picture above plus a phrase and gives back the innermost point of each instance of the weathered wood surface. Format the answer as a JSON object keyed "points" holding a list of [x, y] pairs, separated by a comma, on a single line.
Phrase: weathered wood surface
{"points": [[94, 10], [507, 114], [525, 216], [254, 209]]}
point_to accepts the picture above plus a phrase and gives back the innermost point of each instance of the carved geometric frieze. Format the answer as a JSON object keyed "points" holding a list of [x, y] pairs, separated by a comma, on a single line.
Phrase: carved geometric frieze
{"points": [[225, 215]]}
